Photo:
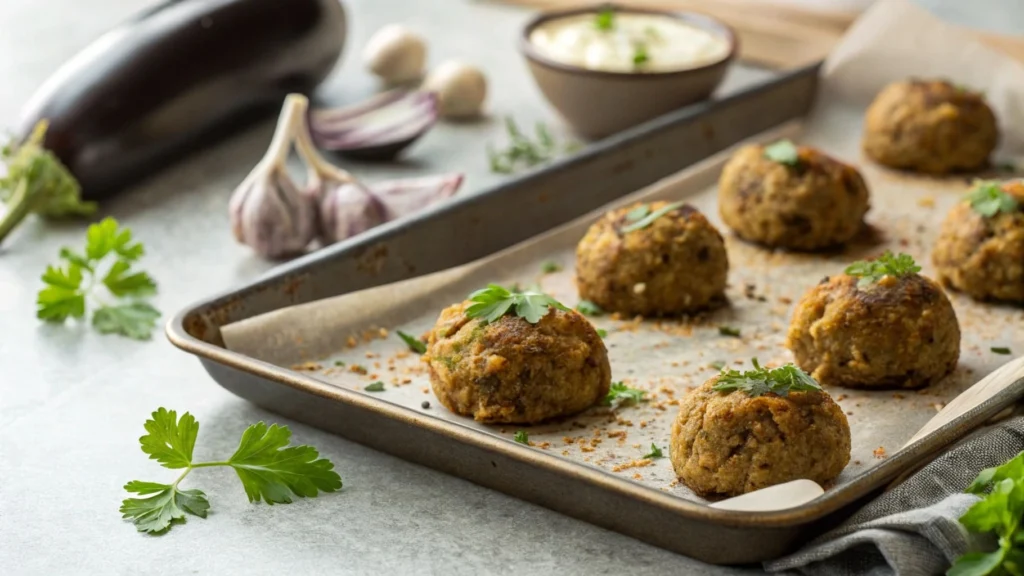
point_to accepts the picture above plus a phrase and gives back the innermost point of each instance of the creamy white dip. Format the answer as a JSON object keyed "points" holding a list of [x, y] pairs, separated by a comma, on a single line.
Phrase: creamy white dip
{"points": [[627, 42]]}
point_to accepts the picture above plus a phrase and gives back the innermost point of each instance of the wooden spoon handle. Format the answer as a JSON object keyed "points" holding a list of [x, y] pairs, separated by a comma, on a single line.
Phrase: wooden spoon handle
{"points": [[1007, 375]]}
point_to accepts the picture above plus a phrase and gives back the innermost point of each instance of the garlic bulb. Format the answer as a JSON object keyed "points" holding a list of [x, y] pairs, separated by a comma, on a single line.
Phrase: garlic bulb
{"points": [[461, 89], [348, 210], [396, 54]]}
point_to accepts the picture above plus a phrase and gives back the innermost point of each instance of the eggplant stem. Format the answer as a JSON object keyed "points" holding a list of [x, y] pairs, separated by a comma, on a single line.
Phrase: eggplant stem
{"points": [[18, 207]]}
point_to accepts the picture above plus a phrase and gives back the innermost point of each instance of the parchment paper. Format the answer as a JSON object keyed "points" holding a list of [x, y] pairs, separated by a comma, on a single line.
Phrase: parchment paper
{"points": [[892, 41]]}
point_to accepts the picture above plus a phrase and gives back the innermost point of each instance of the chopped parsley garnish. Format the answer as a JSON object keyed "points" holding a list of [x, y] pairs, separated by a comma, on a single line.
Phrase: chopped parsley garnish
{"points": [[1001, 350], [493, 302], [650, 218], [415, 344], [783, 152], [998, 513], [988, 199], [760, 381], [602, 332], [654, 453], [588, 308], [377, 386], [605, 19], [339, 363], [729, 331], [522, 437], [640, 56], [620, 394], [871, 271], [550, 267]]}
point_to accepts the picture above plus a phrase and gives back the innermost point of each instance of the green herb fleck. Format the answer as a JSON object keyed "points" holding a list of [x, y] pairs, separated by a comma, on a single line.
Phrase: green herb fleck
{"points": [[377, 386], [414, 344], [783, 152], [550, 267], [269, 468], [620, 394], [602, 332], [605, 19], [718, 364], [640, 56], [1001, 350], [650, 218], [358, 369], [638, 213], [522, 437], [760, 381], [588, 308], [871, 271], [522, 151], [654, 453], [493, 302], [999, 513], [988, 199], [729, 331], [339, 363]]}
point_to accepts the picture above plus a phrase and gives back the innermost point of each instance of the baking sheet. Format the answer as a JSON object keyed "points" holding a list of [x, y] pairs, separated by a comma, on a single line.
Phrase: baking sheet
{"points": [[669, 357]]}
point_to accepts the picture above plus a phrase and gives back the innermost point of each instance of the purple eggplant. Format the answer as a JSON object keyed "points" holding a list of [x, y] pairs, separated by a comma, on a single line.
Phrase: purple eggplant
{"points": [[177, 78]]}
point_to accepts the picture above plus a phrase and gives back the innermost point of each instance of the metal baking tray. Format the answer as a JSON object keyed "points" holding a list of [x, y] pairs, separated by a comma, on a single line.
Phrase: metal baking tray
{"points": [[478, 226]]}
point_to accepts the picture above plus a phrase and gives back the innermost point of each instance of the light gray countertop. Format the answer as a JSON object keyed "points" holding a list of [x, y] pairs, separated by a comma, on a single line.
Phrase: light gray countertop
{"points": [[72, 402]]}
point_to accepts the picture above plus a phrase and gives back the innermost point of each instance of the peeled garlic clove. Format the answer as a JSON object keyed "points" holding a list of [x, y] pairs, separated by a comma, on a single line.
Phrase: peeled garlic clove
{"points": [[346, 210], [461, 89], [410, 195], [272, 216], [396, 54]]}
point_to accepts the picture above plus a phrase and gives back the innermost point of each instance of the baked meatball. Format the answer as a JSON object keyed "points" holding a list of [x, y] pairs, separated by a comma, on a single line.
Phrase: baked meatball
{"points": [[930, 126], [983, 256], [811, 202], [899, 332], [511, 371], [674, 265], [728, 443]]}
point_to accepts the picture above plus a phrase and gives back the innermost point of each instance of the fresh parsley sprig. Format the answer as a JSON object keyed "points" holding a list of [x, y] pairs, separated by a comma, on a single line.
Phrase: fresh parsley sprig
{"points": [[268, 467], [999, 512], [620, 394], [783, 152], [36, 181], [871, 271], [495, 301], [71, 284], [415, 344], [760, 381], [988, 198]]}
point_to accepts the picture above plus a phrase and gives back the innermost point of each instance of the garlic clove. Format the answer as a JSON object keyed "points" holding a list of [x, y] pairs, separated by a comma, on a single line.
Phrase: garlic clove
{"points": [[460, 87], [378, 129], [395, 54], [346, 210], [270, 214], [410, 195]]}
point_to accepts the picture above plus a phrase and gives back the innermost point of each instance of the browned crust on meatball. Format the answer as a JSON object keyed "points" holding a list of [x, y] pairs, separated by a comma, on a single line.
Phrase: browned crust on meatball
{"points": [[983, 256], [896, 333], [819, 203], [930, 126], [726, 444], [511, 371], [676, 265]]}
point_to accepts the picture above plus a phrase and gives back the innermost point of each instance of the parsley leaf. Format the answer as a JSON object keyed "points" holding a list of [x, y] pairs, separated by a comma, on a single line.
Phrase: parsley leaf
{"points": [[522, 437], [414, 343], [650, 218], [604, 20], [761, 381], [871, 271], [377, 386], [588, 308], [654, 453], [36, 181], [65, 297], [999, 511], [619, 394], [270, 470], [783, 152], [729, 331], [135, 320], [988, 199], [602, 332], [550, 267], [495, 301]]}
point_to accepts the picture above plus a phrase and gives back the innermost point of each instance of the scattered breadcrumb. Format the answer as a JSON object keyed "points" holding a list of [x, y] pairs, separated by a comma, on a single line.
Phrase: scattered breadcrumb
{"points": [[307, 367], [879, 452], [633, 464]]}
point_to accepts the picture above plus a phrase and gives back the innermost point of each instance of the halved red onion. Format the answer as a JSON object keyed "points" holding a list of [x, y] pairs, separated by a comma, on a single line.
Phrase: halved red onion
{"points": [[377, 129]]}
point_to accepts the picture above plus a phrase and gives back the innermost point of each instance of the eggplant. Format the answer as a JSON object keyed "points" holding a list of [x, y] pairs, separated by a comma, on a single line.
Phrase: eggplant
{"points": [[177, 78]]}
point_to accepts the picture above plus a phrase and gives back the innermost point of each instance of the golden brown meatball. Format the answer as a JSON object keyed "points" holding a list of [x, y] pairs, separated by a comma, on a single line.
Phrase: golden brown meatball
{"points": [[983, 256], [727, 443], [675, 265], [900, 332], [930, 126], [814, 203], [511, 371]]}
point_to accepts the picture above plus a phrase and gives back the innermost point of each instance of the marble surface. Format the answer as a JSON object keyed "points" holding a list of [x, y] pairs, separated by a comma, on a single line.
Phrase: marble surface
{"points": [[72, 402]]}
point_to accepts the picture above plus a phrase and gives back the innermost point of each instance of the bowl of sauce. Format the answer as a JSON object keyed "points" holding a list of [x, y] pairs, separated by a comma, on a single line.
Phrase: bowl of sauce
{"points": [[608, 68]]}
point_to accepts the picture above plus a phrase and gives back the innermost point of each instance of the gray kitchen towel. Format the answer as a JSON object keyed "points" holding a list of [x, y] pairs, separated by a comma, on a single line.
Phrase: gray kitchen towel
{"points": [[911, 530]]}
